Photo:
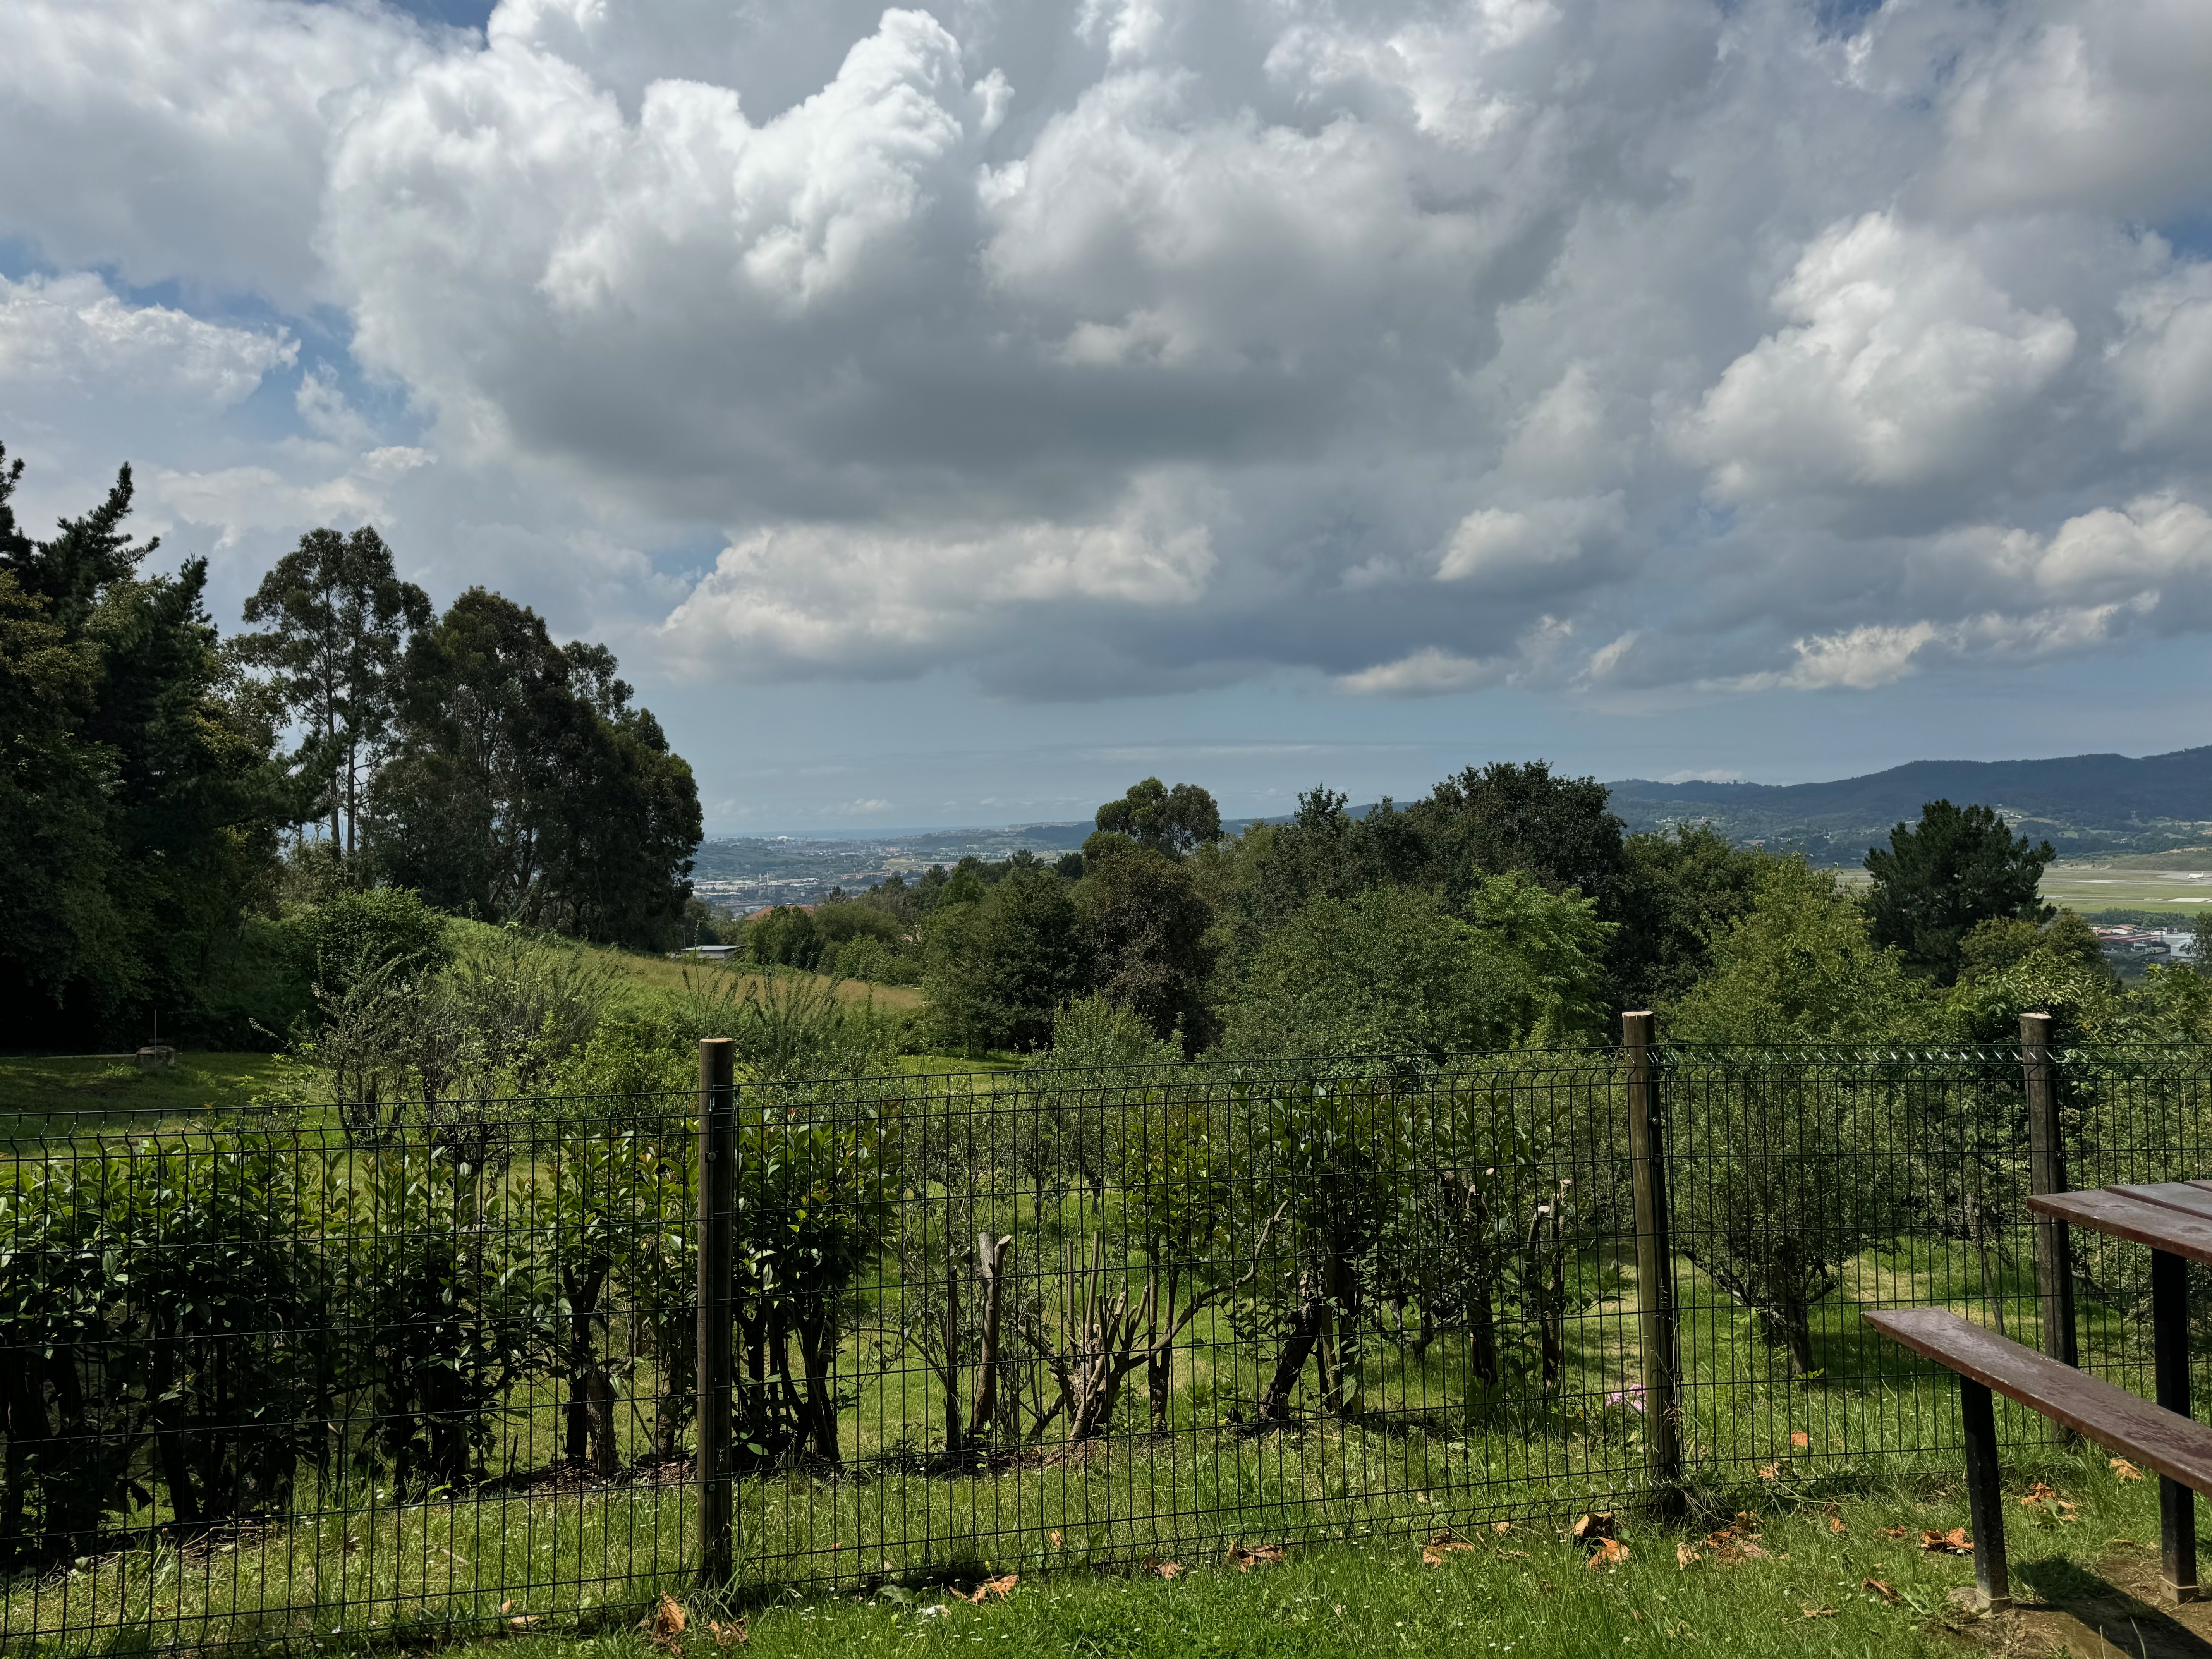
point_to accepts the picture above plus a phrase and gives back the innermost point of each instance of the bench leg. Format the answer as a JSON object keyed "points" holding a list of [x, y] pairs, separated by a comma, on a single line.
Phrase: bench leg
{"points": [[2176, 1505], [1984, 1501]]}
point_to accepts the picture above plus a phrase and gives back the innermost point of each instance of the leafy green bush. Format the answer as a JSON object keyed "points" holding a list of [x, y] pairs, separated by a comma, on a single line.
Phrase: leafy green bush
{"points": [[816, 1203], [354, 934], [163, 1322], [446, 1302]]}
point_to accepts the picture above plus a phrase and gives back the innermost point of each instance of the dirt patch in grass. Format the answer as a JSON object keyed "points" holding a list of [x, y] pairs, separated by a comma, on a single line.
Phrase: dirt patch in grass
{"points": [[2117, 1607]]}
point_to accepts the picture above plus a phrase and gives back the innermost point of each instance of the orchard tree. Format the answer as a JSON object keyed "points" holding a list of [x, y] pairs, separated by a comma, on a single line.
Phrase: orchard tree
{"points": [[1934, 884]]}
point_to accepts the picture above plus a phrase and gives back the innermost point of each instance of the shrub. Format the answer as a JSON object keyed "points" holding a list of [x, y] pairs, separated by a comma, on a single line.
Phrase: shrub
{"points": [[158, 1303], [353, 933]]}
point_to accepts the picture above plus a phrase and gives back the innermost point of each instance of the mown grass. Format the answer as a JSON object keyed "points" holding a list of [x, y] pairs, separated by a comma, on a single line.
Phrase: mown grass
{"points": [[33, 1087], [1791, 1578]]}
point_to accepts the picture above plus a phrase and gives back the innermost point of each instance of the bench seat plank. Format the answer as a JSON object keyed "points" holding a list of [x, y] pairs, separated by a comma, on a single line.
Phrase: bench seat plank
{"points": [[2175, 1446], [2113, 1210], [2186, 1196]]}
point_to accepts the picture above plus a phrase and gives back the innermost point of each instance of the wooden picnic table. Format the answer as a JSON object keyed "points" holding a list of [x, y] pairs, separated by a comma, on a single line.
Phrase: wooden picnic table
{"points": [[2174, 1218]]}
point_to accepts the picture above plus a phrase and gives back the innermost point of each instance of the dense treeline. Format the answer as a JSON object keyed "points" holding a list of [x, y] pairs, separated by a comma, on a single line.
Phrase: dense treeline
{"points": [[177, 805], [1509, 906]]}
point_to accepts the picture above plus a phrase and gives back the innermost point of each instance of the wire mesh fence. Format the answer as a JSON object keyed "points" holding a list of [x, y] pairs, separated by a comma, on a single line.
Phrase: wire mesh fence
{"points": [[303, 1378]]}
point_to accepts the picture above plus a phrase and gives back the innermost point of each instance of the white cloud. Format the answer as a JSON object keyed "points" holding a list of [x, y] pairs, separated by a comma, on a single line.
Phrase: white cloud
{"points": [[1428, 672], [1905, 365], [69, 335], [1495, 543], [185, 139], [870, 603]]}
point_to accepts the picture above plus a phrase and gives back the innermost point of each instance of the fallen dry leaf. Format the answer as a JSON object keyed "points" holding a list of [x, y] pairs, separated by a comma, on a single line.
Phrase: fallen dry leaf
{"points": [[1166, 1569], [2126, 1470], [2041, 1497], [1433, 1552], [1246, 1560], [508, 1607], [728, 1635], [1610, 1552], [1518, 1555], [1772, 1471], [1799, 1440], [1588, 1528], [1001, 1588], [522, 1619], [1895, 1532], [1820, 1613], [1953, 1543], [1836, 1523], [1501, 1527], [666, 1624], [1054, 1535], [1880, 1589], [1684, 1555], [1755, 1550]]}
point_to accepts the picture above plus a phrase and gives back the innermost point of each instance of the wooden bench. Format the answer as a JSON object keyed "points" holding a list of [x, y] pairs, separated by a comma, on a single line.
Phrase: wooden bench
{"points": [[2174, 1445]]}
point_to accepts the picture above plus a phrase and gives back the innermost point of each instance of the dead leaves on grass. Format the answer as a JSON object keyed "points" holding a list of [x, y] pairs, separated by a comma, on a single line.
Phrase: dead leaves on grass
{"points": [[2048, 1504], [1593, 1532], [2124, 1470], [1165, 1568], [1001, 1588], [1953, 1543], [1439, 1545], [1259, 1555], [1610, 1552], [1737, 1541], [1880, 1589], [666, 1625]]}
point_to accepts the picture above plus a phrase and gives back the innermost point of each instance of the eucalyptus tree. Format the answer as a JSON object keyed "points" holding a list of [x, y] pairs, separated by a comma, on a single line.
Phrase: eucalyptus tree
{"points": [[335, 617]]}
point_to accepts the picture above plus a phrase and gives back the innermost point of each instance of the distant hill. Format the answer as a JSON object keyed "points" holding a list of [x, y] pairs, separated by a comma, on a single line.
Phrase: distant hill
{"points": [[2085, 805]]}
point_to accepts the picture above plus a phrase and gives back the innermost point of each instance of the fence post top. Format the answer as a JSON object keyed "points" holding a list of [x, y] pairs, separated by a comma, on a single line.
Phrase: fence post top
{"points": [[1636, 1027]]}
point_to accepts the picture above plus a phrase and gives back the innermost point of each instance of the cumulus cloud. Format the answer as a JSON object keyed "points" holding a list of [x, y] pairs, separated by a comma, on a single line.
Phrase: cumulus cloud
{"points": [[1903, 364], [1084, 346], [72, 335]]}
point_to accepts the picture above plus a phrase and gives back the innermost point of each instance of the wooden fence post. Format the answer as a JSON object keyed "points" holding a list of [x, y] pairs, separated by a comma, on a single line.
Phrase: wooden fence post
{"points": [[717, 1359], [1655, 1269], [2046, 1173]]}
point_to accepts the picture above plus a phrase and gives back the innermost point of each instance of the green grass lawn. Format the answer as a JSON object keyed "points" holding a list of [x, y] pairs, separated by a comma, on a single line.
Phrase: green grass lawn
{"points": [[1799, 1591], [31, 1087]]}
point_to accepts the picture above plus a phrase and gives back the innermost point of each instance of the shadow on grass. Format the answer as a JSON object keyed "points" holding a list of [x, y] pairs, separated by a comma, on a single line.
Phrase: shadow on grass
{"points": [[2117, 1617]]}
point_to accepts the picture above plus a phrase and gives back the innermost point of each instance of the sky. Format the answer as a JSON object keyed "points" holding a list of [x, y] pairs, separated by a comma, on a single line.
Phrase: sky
{"points": [[950, 415]]}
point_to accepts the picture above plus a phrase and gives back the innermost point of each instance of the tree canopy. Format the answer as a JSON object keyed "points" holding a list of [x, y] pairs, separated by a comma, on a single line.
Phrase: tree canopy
{"points": [[1962, 865], [336, 617], [139, 815], [1176, 821], [525, 785]]}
